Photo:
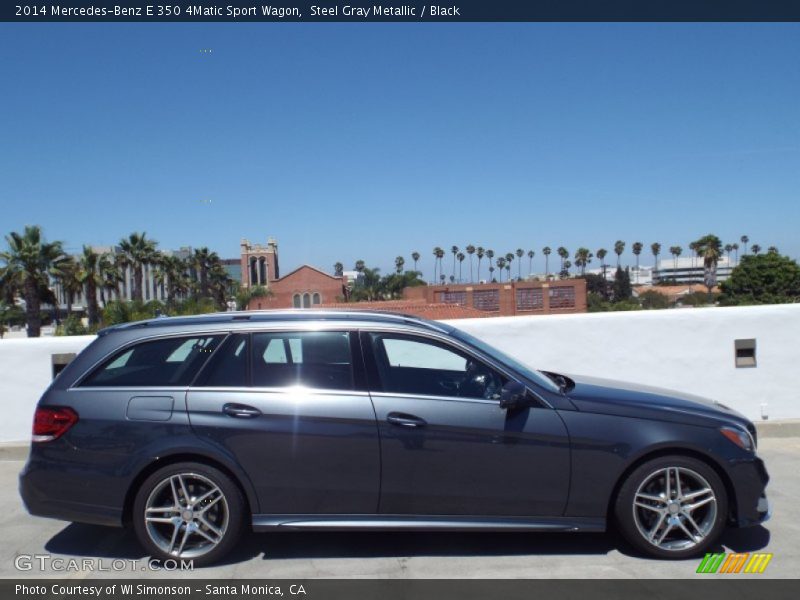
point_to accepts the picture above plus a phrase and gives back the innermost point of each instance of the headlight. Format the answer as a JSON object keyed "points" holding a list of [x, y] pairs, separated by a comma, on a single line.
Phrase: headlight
{"points": [[740, 437]]}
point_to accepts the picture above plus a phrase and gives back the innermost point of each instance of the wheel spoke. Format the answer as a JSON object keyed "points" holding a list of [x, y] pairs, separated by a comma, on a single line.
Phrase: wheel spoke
{"points": [[186, 533], [217, 531], [186, 498], [174, 537], [678, 493], [664, 533], [649, 507], [161, 509], [176, 499], [698, 493], [650, 497], [667, 488], [652, 533], [691, 536], [694, 524], [160, 519], [208, 494], [698, 504]]}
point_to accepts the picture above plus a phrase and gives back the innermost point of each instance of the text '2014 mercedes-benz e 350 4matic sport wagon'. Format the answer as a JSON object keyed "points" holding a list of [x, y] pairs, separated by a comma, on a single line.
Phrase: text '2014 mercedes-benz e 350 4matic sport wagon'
{"points": [[191, 429]]}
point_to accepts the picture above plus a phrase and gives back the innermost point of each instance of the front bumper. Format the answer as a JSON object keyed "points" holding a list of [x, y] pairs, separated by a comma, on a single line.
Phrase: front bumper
{"points": [[751, 505]]}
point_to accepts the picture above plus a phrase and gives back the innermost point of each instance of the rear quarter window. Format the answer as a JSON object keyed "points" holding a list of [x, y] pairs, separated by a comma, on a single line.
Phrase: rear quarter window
{"points": [[165, 362]]}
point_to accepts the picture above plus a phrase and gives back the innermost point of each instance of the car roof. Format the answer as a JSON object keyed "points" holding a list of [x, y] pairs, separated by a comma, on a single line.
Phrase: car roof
{"points": [[282, 316]]}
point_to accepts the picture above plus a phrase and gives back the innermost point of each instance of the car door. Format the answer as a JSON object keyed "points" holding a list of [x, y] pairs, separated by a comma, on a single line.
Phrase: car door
{"points": [[286, 406], [447, 448]]}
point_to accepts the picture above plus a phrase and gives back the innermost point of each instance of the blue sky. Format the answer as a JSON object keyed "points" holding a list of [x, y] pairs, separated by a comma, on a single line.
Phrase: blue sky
{"points": [[348, 141]]}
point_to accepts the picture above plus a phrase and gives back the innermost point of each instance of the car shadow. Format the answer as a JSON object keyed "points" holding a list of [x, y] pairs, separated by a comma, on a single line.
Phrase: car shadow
{"points": [[112, 543]]}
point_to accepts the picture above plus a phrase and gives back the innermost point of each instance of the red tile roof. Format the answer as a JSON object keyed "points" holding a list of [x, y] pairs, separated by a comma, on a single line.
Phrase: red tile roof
{"points": [[418, 308]]}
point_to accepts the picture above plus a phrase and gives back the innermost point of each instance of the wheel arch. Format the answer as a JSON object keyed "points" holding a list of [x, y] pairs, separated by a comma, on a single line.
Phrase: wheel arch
{"points": [[164, 461], [674, 451]]}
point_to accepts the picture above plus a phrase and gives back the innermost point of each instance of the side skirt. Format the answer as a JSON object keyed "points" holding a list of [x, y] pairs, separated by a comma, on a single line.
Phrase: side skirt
{"points": [[425, 523]]}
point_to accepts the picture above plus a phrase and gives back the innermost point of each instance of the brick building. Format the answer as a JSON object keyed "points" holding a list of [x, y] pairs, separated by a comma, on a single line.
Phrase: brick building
{"points": [[508, 299]]}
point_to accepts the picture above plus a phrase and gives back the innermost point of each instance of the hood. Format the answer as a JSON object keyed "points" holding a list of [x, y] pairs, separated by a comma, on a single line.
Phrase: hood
{"points": [[605, 396]]}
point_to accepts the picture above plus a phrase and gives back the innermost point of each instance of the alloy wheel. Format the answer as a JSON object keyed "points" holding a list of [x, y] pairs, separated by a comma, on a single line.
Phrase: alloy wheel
{"points": [[186, 515], [674, 508]]}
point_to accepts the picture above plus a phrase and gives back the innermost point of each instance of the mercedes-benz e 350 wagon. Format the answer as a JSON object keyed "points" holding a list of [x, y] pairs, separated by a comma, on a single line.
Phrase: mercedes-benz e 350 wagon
{"points": [[190, 430]]}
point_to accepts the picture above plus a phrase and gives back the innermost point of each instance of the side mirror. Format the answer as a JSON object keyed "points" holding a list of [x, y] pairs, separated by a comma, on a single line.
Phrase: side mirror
{"points": [[513, 395]]}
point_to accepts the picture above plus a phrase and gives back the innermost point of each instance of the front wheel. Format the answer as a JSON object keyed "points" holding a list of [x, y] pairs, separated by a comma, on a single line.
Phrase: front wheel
{"points": [[188, 511], [672, 507]]}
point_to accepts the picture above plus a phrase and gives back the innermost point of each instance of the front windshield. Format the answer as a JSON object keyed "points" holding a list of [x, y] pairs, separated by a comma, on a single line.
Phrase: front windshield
{"points": [[502, 357]]}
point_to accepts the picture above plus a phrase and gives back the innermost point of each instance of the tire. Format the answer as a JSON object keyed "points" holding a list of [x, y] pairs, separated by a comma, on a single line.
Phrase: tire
{"points": [[203, 531], [680, 526]]}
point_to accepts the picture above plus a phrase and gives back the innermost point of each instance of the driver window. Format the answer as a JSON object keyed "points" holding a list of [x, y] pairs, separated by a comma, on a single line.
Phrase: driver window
{"points": [[410, 365]]}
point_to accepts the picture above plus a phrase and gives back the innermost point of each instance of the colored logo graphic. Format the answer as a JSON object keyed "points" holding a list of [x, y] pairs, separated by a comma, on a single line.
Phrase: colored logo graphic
{"points": [[735, 562]]}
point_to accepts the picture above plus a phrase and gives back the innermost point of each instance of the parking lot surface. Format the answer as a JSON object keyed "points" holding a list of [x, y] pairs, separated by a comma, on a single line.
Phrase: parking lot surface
{"points": [[296, 555]]}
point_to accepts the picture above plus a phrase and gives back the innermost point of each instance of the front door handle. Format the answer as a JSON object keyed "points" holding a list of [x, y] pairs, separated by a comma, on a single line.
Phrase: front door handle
{"points": [[241, 411], [405, 420]]}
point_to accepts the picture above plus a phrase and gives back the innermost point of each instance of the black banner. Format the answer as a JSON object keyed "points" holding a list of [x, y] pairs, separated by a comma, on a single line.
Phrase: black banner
{"points": [[360, 11], [732, 588]]}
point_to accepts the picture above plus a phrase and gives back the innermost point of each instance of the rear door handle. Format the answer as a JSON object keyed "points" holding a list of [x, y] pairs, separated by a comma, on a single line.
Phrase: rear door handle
{"points": [[405, 420], [241, 411]]}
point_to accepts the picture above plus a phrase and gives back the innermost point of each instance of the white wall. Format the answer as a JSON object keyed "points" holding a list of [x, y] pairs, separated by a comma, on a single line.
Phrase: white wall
{"points": [[26, 369], [684, 349], [690, 350]]}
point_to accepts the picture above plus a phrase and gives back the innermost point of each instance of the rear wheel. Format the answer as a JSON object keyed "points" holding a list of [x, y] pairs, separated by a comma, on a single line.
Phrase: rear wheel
{"points": [[188, 511], [672, 507]]}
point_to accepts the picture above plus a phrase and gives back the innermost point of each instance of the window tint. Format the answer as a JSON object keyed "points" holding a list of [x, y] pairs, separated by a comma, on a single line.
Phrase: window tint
{"points": [[229, 366], [164, 362], [410, 365], [313, 359]]}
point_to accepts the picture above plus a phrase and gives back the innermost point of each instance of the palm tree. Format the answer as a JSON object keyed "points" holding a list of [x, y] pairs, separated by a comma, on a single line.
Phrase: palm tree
{"points": [[655, 248], [460, 256], [490, 256], [736, 251], [171, 272], [709, 247], [338, 269], [491, 272], [773, 250], [479, 252], [220, 283], [29, 261], [137, 251], [755, 249], [520, 253], [67, 276], [546, 251], [202, 260], [360, 266], [676, 251], [564, 254], [454, 250], [565, 270], [744, 239], [91, 278], [619, 248], [470, 252], [112, 276], [582, 258], [637, 250], [531, 254], [509, 260], [415, 257], [398, 264], [501, 264], [437, 255], [693, 248], [508, 271], [728, 250]]}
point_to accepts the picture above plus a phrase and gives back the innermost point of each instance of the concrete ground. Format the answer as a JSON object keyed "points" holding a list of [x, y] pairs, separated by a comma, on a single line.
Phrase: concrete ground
{"points": [[296, 555]]}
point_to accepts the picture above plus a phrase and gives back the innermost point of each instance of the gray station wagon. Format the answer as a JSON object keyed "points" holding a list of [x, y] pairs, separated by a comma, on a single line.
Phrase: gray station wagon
{"points": [[191, 429]]}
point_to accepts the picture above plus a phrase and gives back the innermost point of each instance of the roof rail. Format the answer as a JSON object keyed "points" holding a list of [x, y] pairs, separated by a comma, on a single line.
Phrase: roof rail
{"points": [[265, 316]]}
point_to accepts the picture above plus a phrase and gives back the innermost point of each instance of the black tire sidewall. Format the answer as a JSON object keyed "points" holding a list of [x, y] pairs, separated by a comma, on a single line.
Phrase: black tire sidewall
{"points": [[623, 512], [233, 496]]}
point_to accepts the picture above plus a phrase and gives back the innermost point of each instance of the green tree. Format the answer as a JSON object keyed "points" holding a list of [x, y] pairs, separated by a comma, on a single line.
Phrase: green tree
{"points": [[479, 252], [755, 248], [138, 251], [652, 299], [470, 252], [676, 251], [399, 262], [762, 279], [546, 251], [520, 253], [66, 273], [415, 257], [655, 248], [531, 254], [454, 250], [28, 263], [619, 248], [171, 273], [744, 239], [563, 253], [338, 269], [637, 250], [90, 277], [460, 256], [489, 257], [509, 260], [582, 258], [501, 264], [709, 248], [622, 285]]}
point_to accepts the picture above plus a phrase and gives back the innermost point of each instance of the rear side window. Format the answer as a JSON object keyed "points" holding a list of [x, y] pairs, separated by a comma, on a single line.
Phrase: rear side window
{"points": [[229, 366], [319, 359], [164, 362]]}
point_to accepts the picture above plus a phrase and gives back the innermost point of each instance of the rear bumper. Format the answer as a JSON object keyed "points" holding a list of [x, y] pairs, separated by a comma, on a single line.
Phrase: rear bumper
{"points": [[43, 496]]}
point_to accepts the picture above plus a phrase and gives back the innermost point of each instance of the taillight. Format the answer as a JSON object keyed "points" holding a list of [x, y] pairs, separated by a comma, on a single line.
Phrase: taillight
{"points": [[51, 422]]}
